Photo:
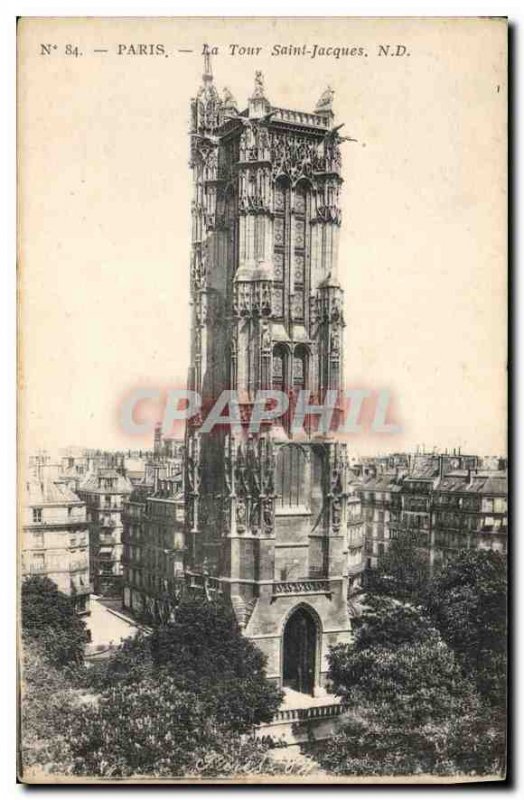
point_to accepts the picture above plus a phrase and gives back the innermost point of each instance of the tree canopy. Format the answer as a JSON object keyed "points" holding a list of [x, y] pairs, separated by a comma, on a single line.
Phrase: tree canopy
{"points": [[159, 729], [206, 652], [389, 622], [49, 617], [398, 663], [181, 701], [468, 603], [402, 571], [410, 705], [47, 698]]}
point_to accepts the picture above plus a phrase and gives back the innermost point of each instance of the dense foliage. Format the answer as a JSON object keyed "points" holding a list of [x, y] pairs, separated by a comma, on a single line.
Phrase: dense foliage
{"points": [[172, 703], [49, 617], [412, 709], [155, 728], [129, 664], [48, 697], [389, 623], [468, 603], [402, 571], [206, 653], [424, 682]]}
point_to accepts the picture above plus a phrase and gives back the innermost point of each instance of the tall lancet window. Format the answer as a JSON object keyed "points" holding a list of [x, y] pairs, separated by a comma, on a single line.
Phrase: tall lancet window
{"points": [[299, 250], [291, 483], [300, 377], [279, 368], [259, 237], [280, 244]]}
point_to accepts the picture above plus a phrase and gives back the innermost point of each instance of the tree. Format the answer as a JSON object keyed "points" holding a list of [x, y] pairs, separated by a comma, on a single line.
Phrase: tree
{"points": [[402, 571], [397, 657], [408, 698], [388, 622], [181, 701], [129, 664], [49, 617], [468, 603], [158, 729], [177, 701], [206, 653], [149, 728], [47, 696], [409, 686]]}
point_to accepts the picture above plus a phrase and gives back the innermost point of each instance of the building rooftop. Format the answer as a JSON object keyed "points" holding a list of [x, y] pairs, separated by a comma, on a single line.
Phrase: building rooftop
{"points": [[490, 484], [382, 483], [463, 481], [49, 492], [424, 473], [91, 482]]}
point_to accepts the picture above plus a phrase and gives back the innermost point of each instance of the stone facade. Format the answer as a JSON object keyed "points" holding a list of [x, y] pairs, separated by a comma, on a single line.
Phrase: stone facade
{"points": [[444, 502], [104, 490], [268, 513], [153, 547], [55, 537]]}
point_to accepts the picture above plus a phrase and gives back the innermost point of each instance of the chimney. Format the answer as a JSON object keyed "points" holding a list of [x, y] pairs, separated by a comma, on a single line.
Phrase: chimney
{"points": [[157, 447]]}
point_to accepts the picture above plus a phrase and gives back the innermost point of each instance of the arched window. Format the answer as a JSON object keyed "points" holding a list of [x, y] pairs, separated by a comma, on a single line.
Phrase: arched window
{"points": [[300, 366], [291, 477], [279, 377]]}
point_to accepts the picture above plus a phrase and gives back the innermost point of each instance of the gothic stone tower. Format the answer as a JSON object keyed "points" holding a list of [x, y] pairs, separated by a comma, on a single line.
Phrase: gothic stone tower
{"points": [[267, 513]]}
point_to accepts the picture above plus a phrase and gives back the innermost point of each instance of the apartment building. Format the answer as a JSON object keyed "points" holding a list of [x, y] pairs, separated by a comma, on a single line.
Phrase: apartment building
{"points": [[104, 491], [446, 502], [55, 537]]}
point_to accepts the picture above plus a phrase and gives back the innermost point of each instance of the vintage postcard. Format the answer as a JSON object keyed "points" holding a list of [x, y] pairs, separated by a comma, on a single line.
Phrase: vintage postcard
{"points": [[263, 475]]}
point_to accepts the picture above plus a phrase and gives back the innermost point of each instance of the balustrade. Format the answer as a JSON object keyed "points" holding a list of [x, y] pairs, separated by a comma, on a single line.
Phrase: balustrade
{"points": [[304, 586]]}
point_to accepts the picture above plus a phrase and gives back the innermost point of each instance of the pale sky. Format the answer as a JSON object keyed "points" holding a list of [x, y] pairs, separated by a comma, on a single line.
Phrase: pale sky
{"points": [[105, 215]]}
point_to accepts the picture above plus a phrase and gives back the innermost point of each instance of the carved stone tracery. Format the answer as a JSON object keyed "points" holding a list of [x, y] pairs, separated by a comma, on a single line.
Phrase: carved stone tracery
{"points": [[252, 299], [263, 252]]}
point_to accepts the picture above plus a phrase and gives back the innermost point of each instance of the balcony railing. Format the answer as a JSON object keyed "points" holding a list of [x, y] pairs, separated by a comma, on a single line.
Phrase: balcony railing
{"points": [[315, 712], [58, 523], [303, 586], [107, 524], [299, 117]]}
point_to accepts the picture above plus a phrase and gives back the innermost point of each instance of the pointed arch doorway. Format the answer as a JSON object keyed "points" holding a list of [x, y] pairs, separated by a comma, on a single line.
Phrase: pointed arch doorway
{"points": [[299, 657]]}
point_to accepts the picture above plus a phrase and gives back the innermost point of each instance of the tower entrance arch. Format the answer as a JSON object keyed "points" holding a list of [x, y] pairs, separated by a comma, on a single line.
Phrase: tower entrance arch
{"points": [[300, 644]]}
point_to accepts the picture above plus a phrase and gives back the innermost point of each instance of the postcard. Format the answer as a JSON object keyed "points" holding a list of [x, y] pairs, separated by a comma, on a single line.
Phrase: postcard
{"points": [[263, 462]]}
